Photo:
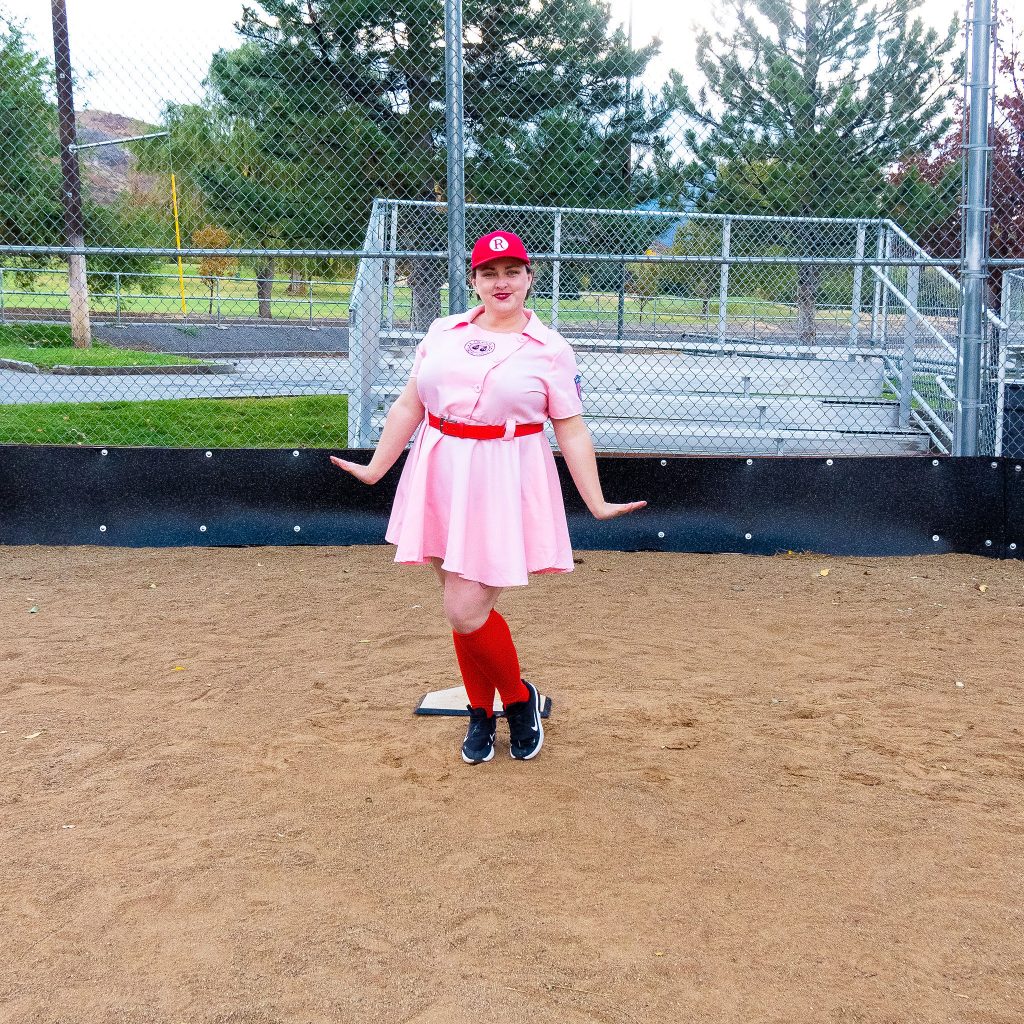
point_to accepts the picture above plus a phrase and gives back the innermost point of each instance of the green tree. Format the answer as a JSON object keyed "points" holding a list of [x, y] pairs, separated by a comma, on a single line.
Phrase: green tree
{"points": [[925, 188], [697, 237], [806, 106], [212, 268], [346, 100], [227, 174], [645, 280], [30, 211]]}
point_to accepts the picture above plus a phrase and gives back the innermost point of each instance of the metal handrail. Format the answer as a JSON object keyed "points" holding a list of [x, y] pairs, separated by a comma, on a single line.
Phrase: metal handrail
{"points": [[892, 378], [897, 230], [913, 311]]}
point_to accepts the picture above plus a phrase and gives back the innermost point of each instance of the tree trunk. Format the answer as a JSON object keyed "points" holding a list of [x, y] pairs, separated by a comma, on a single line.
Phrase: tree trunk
{"points": [[296, 285], [264, 284], [426, 276], [806, 302]]}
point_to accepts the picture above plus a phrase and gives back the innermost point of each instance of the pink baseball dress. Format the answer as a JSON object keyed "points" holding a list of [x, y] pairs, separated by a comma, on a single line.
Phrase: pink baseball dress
{"points": [[492, 510]]}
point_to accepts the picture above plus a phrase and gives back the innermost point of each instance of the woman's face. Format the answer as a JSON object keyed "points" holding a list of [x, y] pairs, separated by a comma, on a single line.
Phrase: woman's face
{"points": [[502, 286]]}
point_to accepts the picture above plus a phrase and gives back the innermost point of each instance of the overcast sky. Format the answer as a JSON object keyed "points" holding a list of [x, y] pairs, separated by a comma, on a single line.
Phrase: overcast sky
{"points": [[131, 56]]}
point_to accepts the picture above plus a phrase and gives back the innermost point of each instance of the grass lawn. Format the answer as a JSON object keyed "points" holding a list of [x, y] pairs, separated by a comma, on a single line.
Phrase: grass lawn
{"points": [[331, 300], [49, 345], [317, 420]]}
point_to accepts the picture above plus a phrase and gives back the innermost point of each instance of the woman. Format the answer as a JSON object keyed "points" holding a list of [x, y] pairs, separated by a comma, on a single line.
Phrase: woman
{"points": [[479, 497]]}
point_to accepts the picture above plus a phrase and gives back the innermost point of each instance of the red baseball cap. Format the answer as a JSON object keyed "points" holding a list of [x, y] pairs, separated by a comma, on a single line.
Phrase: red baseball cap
{"points": [[496, 246]]}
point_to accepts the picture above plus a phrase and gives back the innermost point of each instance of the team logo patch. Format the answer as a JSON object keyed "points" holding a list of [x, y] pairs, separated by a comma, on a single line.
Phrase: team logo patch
{"points": [[479, 348], [579, 386], [498, 244]]}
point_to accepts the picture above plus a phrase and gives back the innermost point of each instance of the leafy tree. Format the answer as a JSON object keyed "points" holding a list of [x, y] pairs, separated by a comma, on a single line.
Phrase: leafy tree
{"points": [[925, 188], [227, 175], [806, 106], [345, 99], [645, 280], [697, 237], [209, 236], [30, 210]]}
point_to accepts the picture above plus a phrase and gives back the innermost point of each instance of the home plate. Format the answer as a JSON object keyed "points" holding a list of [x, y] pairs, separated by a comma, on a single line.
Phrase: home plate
{"points": [[453, 702]]}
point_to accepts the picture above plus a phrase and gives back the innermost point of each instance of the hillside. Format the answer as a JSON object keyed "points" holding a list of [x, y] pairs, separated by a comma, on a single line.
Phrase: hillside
{"points": [[110, 171]]}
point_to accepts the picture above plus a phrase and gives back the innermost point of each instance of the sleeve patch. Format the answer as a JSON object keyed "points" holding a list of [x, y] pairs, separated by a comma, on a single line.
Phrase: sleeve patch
{"points": [[579, 385]]}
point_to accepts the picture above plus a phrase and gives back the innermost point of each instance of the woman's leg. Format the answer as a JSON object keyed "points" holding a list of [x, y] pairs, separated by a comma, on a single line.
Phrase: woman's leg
{"points": [[482, 636], [479, 685], [467, 604]]}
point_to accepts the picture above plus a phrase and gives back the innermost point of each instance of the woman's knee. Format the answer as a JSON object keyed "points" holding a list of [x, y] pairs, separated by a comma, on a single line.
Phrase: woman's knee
{"points": [[467, 610]]}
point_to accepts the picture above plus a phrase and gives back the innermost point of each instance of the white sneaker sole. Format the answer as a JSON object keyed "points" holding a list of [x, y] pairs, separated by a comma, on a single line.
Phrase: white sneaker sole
{"points": [[482, 760]]}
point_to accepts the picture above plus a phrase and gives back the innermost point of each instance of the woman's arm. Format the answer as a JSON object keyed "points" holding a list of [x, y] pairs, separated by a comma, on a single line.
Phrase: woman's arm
{"points": [[404, 416], [578, 451]]}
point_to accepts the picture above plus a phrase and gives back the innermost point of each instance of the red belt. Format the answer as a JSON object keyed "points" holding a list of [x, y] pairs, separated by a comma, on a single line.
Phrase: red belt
{"points": [[480, 432]]}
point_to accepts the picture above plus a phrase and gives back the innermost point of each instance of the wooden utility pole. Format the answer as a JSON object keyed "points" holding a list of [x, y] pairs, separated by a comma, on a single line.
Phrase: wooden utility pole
{"points": [[71, 183]]}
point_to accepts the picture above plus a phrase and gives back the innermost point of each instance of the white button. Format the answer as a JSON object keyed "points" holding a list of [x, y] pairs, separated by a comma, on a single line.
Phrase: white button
{"points": [[477, 387]]}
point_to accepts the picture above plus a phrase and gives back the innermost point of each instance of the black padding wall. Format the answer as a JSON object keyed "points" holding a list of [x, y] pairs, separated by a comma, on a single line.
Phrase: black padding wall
{"points": [[170, 497]]}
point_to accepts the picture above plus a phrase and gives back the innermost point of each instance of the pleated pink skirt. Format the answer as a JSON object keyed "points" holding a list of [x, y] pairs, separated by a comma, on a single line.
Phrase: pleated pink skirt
{"points": [[491, 510]]}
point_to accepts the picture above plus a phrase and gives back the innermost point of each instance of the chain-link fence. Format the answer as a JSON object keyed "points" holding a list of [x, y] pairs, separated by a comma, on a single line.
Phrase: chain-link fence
{"points": [[758, 250]]}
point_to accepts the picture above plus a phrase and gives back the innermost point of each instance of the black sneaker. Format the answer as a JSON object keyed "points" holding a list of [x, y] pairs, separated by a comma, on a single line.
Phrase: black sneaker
{"points": [[525, 726], [478, 745]]}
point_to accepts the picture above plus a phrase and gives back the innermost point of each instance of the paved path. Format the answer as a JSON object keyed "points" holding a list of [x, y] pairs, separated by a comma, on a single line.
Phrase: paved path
{"points": [[255, 378], [244, 339], [613, 374], [636, 401]]}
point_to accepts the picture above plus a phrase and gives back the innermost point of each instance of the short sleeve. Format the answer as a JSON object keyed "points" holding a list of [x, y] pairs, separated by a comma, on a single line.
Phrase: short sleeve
{"points": [[565, 385], [421, 351]]}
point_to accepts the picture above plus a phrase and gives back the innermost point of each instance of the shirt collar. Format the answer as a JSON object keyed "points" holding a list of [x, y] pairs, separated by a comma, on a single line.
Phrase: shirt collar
{"points": [[534, 328]]}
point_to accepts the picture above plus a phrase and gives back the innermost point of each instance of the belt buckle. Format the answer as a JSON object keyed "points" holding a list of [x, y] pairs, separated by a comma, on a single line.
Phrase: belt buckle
{"points": [[444, 420]]}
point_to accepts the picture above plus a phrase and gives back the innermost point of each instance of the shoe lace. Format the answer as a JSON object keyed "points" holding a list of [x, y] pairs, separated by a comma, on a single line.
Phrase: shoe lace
{"points": [[479, 725], [518, 716]]}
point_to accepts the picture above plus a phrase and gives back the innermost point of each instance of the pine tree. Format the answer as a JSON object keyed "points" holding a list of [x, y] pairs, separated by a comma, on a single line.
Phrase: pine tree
{"points": [[346, 99], [807, 104]]}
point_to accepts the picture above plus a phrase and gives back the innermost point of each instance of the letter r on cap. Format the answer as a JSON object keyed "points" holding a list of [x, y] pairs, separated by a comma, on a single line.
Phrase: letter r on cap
{"points": [[499, 244]]}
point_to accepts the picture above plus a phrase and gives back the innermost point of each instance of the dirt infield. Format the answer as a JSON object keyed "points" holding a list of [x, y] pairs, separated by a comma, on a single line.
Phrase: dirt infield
{"points": [[765, 795]]}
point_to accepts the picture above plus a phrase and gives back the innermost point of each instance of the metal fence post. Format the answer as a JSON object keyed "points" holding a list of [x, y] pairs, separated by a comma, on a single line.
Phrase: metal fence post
{"points": [[909, 340], [620, 322], [309, 284], [1002, 343], [117, 298], [876, 303], [883, 306], [456, 141], [3, 311], [556, 269], [974, 269], [858, 285], [389, 312], [723, 280]]}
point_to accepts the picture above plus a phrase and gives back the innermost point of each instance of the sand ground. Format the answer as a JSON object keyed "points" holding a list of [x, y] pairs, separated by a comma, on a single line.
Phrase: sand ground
{"points": [[764, 795]]}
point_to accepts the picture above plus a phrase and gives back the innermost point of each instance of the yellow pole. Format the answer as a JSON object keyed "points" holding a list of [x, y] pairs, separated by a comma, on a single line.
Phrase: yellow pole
{"points": [[177, 239]]}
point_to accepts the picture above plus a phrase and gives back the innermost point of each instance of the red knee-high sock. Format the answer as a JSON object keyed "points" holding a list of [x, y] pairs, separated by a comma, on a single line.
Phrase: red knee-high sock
{"points": [[479, 687], [494, 653]]}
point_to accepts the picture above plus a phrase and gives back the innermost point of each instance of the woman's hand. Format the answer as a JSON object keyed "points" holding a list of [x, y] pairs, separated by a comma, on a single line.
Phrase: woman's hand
{"points": [[609, 510], [362, 473]]}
